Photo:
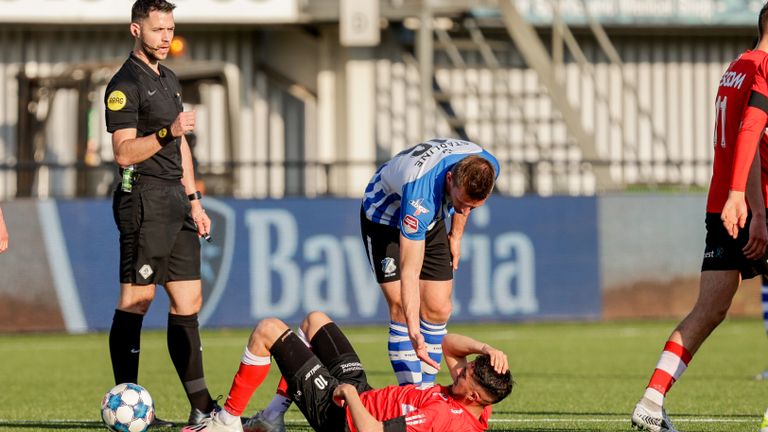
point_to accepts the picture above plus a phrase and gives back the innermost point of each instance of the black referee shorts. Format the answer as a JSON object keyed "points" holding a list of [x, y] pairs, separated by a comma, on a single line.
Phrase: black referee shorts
{"points": [[158, 238], [382, 244], [723, 252]]}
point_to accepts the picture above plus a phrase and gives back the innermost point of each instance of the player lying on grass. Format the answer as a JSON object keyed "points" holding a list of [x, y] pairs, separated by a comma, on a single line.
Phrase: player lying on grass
{"points": [[328, 384]]}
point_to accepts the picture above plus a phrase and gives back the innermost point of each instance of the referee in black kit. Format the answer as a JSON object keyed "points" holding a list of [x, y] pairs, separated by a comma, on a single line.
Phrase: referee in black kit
{"points": [[157, 208]]}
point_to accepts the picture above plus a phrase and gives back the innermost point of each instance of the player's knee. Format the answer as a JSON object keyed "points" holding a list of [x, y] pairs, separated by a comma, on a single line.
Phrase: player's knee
{"points": [[137, 306], [438, 313], [313, 321], [196, 304], [717, 316], [396, 312], [268, 329], [710, 318]]}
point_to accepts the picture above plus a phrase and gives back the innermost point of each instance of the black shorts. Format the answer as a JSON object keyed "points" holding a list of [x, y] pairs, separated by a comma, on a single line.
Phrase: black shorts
{"points": [[723, 252], [382, 244], [158, 238], [313, 375]]}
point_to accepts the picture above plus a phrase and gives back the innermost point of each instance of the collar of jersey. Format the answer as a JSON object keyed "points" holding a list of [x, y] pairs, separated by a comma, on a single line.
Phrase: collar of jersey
{"points": [[145, 67]]}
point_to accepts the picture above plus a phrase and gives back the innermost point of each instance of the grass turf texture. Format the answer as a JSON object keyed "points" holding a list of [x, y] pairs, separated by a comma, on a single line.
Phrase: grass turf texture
{"points": [[570, 376]]}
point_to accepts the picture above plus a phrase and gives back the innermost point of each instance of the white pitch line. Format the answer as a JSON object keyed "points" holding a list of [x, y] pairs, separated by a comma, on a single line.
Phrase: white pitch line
{"points": [[526, 420], [622, 420]]}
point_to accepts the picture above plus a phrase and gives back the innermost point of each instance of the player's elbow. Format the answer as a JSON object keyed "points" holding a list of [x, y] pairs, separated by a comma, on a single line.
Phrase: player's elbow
{"points": [[122, 159]]}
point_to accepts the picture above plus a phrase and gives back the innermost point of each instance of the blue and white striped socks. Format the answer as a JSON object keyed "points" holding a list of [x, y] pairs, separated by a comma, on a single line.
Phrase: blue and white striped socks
{"points": [[433, 337], [408, 368], [406, 365], [764, 298]]}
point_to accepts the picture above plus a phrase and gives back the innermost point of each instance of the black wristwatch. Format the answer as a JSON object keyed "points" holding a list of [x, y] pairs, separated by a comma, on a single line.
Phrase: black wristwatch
{"points": [[195, 196]]}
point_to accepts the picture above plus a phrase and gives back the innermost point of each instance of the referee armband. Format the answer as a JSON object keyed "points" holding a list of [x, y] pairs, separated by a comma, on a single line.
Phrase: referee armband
{"points": [[396, 424], [164, 136]]}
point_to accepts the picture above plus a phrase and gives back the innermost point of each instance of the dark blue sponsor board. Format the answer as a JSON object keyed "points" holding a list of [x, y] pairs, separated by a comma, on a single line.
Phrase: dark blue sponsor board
{"points": [[523, 258]]}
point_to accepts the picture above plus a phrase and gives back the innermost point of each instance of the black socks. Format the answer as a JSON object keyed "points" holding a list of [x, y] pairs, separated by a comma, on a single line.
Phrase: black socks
{"points": [[124, 346], [187, 356]]}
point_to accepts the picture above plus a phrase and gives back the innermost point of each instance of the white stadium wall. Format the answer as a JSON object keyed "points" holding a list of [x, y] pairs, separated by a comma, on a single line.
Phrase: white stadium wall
{"points": [[305, 99]]}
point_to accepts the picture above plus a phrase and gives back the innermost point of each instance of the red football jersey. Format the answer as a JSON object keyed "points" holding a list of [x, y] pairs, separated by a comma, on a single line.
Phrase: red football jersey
{"points": [[733, 96], [425, 409]]}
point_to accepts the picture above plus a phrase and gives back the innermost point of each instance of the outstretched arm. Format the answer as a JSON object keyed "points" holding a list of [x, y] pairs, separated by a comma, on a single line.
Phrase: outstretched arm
{"points": [[411, 260]]}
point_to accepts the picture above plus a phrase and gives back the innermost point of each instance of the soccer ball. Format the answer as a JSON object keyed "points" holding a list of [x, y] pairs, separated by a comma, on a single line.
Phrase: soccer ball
{"points": [[127, 408]]}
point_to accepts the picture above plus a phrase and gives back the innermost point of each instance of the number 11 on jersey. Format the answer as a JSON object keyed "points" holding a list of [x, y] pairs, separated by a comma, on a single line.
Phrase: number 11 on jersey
{"points": [[720, 106]]}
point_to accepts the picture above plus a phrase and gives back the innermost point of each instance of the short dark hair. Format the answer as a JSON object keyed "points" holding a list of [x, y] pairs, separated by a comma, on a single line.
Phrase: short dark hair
{"points": [[762, 21], [476, 175], [142, 8], [498, 386]]}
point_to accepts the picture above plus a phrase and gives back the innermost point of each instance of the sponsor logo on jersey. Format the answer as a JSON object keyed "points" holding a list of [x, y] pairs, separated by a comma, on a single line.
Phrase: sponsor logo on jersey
{"points": [[410, 224], [732, 79], [419, 208], [388, 266], [457, 411], [116, 100]]}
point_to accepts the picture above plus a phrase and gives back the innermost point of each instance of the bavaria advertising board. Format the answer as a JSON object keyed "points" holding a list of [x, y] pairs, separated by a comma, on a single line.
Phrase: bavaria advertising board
{"points": [[522, 259]]}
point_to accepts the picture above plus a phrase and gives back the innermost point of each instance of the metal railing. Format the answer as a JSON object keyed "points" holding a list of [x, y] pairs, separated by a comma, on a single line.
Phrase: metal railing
{"points": [[294, 178]]}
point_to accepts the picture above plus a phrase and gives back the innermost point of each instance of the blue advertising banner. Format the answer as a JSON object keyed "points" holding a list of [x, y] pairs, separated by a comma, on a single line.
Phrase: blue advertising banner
{"points": [[522, 259]]}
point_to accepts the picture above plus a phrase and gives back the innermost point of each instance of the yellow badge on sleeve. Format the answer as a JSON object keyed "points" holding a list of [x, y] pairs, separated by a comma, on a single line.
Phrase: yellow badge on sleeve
{"points": [[116, 100]]}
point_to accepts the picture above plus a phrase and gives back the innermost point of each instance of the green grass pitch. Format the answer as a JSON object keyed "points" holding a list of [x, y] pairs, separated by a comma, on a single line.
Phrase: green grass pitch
{"points": [[570, 376]]}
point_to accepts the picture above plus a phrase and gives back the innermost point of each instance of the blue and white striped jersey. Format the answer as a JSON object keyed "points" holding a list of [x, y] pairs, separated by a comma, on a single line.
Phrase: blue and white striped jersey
{"points": [[408, 192]]}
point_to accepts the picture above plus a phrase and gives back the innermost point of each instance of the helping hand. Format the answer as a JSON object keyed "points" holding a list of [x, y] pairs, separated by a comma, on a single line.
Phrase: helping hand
{"points": [[420, 347]]}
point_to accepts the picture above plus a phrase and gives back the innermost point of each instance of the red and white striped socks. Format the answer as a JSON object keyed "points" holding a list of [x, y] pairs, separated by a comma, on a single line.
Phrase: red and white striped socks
{"points": [[252, 372], [672, 363]]}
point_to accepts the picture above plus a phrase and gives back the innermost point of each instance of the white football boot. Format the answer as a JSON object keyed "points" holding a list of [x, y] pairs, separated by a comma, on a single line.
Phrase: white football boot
{"points": [[648, 416], [215, 424], [258, 423]]}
